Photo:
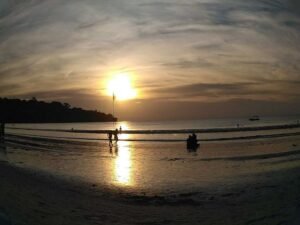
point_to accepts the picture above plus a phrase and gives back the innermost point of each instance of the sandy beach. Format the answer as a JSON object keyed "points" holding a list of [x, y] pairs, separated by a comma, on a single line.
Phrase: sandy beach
{"points": [[36, 197], [28, 198]]}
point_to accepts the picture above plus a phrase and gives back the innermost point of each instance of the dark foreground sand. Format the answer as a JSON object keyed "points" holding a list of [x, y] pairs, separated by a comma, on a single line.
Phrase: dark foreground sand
{"points": [[35, 199]]}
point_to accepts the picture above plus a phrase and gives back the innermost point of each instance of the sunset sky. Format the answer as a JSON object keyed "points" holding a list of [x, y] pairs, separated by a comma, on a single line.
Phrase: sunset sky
{"points": [[187, 59]]}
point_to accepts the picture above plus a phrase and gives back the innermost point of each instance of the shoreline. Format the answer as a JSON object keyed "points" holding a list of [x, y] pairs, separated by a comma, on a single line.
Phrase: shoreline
{"points": [[239, 138]]}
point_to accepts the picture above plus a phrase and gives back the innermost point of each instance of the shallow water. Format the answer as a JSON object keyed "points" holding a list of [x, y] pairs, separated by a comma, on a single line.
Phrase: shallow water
{"points": [[168, 125], [155, 167], [59, 130]]}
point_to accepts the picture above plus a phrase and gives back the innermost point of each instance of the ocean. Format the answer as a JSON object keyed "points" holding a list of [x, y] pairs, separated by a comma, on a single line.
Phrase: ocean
{"points": [[147, 130], [155, 163]]}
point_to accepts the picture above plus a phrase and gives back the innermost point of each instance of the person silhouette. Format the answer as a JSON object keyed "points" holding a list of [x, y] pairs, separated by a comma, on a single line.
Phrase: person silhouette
{"points": [[194, 137], [188, 142], [192, 142], [109, 134], [116, 135]]}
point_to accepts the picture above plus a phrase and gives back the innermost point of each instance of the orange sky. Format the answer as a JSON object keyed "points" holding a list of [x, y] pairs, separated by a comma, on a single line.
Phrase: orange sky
{"points": [[200, 58]]}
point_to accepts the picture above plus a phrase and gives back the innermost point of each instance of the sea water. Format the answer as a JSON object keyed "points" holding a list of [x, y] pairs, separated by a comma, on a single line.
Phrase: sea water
{"points": [[58, 129], [152, 167]]}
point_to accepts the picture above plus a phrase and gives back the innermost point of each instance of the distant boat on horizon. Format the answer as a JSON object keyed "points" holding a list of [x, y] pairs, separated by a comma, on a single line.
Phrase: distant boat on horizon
{"points": [[254, 118]]}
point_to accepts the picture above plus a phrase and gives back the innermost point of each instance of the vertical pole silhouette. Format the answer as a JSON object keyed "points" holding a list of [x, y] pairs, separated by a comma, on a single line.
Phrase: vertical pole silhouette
{"points": [[114, 98]]}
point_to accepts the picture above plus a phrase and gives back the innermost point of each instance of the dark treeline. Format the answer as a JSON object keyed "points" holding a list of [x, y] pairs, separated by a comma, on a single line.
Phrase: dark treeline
{"points": [[34, 111]]}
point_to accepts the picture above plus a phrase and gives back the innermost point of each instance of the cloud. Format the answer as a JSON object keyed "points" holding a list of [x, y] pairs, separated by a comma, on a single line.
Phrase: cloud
{"points": [[193, 49], [281, 90]]}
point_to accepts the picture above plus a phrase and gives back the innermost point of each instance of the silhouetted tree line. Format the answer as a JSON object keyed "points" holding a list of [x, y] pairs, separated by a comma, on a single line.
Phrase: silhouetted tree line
{"points": [[34, 111]]}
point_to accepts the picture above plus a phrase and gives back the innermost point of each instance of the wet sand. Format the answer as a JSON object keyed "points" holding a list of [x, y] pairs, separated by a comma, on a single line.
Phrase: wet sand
{"points": [[29, 197]]}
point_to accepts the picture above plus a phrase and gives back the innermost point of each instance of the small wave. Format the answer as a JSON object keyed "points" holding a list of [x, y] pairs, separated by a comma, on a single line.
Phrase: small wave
{"points": [[61, 139], [255, 157], [284, 161], [178, 131]]}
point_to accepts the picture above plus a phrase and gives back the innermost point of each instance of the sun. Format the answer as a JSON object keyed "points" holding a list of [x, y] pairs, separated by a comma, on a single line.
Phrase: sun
{"points": [[121, 86]]}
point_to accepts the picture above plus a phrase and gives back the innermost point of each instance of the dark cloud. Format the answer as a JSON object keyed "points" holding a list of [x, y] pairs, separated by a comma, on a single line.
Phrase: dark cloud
{"points": [[217, 49], [216, 91], [8, 88], [208, 86], [187, 64], [208, 90]]}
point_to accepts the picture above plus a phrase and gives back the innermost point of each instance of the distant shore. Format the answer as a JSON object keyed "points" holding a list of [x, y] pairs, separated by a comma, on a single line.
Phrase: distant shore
{"points": [[34, 111]]}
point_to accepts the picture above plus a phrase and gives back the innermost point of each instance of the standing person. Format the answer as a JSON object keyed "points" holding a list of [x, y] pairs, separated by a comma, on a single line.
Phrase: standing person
{"points": [[110, 138], [188, 142], [116, 135], [194, 138], [194, 141], [120, 129]]}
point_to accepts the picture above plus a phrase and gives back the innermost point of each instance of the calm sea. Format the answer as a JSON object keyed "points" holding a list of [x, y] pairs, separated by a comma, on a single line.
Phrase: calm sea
{"points": [[154, 166], [60, 128]]}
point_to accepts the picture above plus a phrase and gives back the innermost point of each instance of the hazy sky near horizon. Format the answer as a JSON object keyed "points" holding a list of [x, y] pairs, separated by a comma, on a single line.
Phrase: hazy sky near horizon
{"points": [[196, 57]]}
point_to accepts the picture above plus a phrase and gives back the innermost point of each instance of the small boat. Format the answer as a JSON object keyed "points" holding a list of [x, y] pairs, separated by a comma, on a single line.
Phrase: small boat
{"points": [[254, 118]]}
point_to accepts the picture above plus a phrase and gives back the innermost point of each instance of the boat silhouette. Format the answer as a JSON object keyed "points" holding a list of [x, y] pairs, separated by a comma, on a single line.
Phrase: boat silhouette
{"points": [[254, 118]]}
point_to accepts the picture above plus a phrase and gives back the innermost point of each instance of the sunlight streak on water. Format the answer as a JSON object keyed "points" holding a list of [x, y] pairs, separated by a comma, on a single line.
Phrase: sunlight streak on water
{"points": [[123, 163]]}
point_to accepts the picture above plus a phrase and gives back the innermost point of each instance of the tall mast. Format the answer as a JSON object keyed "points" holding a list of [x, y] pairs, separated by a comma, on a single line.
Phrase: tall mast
{"points": [[114, 98]]}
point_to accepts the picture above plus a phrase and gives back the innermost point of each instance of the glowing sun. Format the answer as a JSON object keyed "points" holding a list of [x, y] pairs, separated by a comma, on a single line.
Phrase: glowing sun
{"points": [[121, 87]]}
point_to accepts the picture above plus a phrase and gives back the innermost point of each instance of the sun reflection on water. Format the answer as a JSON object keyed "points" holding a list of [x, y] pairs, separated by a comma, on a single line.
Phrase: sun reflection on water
{"points": [[123, 162]]}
